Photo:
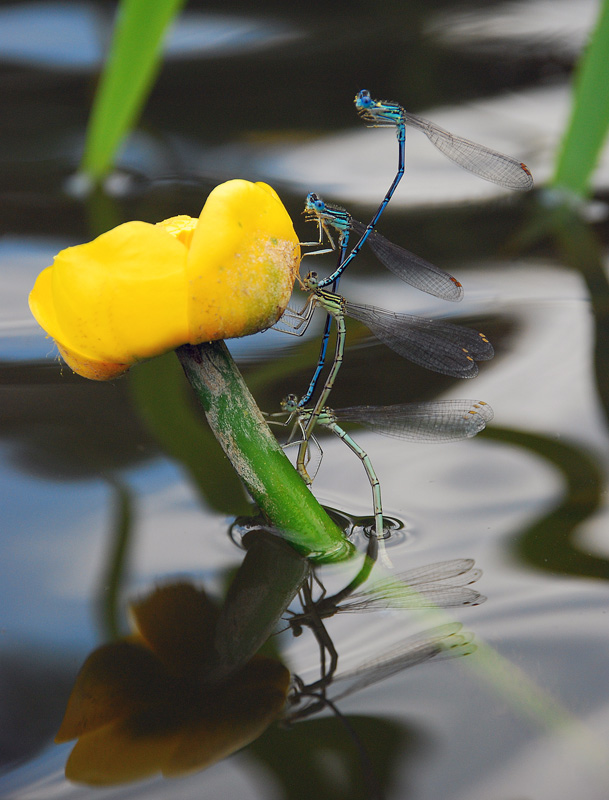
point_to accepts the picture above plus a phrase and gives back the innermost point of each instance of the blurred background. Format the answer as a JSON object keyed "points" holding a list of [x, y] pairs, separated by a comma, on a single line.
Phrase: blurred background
{"points": [[110, 488]]}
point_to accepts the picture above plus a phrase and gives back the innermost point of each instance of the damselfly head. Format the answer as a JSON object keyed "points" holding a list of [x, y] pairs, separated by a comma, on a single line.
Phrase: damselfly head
{"points": [[327, 213], [379, 113], [310, 281], [289, 402], [314, 202], [314, 207], [363, 101]]}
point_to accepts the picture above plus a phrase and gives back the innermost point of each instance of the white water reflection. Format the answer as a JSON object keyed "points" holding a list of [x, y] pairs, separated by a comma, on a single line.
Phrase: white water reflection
{"points": [[44, 780], [549, 26], [544, 382], [356, 167], [527, 125], [75, 36], [21, 261]]}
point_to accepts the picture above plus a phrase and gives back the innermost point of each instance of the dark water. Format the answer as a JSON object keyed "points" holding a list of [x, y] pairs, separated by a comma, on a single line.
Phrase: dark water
{"points": [[267, 95]]}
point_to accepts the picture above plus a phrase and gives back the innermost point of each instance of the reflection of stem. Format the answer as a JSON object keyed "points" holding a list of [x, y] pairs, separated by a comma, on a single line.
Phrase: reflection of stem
{"points": [[114, 572], [581, 249], [548, 543], [265, 584], [256, 455]]}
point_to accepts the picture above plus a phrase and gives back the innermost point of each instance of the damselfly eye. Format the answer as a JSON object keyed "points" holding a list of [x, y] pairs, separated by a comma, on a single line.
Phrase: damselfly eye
{"points": [[289, 402], [363, 99]]}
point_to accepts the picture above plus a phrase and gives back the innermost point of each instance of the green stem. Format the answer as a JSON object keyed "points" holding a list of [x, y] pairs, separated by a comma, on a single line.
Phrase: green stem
{"points": [[255, 454]]}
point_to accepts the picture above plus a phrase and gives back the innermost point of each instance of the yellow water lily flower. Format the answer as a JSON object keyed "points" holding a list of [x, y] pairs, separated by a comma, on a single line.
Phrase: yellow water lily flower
{"points": [[140, 290], [147, 704]]}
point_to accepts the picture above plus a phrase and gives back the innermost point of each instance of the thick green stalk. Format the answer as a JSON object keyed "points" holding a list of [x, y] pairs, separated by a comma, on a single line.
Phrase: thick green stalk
{"points": [[255, 454]]}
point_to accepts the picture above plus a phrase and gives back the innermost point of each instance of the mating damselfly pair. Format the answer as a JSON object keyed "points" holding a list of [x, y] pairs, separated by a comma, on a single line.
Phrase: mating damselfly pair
{"points": [[440, 346], [437, 345]]}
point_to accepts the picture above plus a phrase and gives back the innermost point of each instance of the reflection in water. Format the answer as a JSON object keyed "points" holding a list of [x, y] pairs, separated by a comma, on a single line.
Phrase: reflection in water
{"points": [[468, 747], [113, 575], [189, 686], [444, 584], [144, 705], [516, 26], [550, 544], [71, 36]]}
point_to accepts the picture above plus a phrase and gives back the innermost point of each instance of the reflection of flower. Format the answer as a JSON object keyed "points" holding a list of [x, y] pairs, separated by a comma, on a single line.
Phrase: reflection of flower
{"points": [[140, 289], [142, 705]]}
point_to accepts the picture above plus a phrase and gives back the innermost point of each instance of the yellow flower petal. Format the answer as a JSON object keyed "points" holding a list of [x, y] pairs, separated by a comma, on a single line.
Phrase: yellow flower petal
{"points": [[42, 305], [43, 309], [113, 755], [182, 227], [89, 367], [120, 298], [242, 262]]}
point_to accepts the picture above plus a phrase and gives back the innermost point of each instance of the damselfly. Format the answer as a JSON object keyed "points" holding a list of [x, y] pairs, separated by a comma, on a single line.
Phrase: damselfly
{"points": [[433, 344], [439, 346], [477, 158], [405, 265], [445, 421], [328, 419], [343, 260], [321, 360]]}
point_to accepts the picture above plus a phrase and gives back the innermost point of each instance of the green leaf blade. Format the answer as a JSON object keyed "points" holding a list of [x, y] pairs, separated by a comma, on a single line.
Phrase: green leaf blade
{"points": [[589, 123], [131, 68]]}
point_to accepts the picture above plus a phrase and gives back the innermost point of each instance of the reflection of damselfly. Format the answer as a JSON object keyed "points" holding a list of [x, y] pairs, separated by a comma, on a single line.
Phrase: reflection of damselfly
{"points": [[445, 641], [305, 700]]}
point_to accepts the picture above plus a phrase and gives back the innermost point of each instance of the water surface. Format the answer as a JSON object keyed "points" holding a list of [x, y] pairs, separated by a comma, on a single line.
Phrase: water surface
{"points": [[267, 96]]}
